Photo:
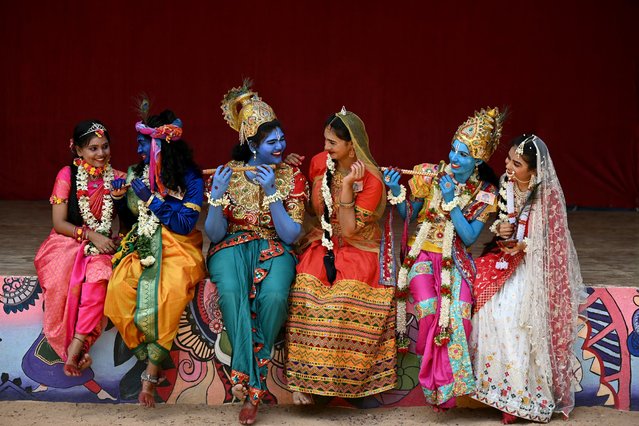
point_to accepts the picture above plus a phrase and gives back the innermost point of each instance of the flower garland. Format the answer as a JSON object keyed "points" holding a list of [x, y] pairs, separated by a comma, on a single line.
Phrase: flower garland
{"points": [[508, 213], [147, 225], [328, 203], [102, 226], [393, 200], [465, 192], [91, 170]]}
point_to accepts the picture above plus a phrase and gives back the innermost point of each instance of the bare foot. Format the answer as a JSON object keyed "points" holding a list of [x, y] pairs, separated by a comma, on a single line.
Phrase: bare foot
{"points": [[85, 361], [301, 398], [508, 419], [239, 391], [146, 398], [248, 413], [438, 409], [74, 358]]}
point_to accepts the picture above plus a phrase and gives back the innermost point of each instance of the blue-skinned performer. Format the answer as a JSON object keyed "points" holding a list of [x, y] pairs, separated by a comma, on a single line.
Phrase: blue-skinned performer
{"points": [[254, 218], [160, 260], [451, 204]]}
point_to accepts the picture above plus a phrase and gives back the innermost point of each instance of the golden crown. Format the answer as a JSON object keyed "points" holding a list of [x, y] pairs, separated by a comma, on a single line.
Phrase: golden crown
{"points": [[481, 132], [245, 111]]}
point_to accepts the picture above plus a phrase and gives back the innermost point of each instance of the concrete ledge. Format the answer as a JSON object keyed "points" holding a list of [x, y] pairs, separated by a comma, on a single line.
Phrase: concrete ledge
{"points": [[606, 353]]}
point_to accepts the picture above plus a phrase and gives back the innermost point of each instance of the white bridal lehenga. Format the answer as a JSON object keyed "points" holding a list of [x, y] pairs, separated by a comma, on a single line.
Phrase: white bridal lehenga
{"points": [[522, 337]]}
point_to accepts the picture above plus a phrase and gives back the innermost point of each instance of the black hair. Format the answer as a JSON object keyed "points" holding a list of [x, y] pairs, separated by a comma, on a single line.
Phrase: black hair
{"points": [[242, 152], [530, 157], [81, 138], [177, 156], [529, 152], [487, 174], [338, 126]]}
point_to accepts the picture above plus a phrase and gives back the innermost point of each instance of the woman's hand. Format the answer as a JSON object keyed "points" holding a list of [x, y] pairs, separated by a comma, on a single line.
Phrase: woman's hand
{"points": [[521, 246], [221, 181], [105, 245], [356, 173], [141, 190], [447, 186], [391, 179], [118, 187], [294, 159], [265, 176], [505, 230]]}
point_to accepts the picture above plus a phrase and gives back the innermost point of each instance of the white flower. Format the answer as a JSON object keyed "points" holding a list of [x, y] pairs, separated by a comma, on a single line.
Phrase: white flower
{"points": [[328, 205], [147, 261], [102, 226], [399, 199]]}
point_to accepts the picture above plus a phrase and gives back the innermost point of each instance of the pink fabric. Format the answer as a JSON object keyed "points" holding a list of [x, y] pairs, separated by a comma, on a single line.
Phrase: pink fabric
{"points": [[74, 286], [435, 369], [62, 184], [71, 304]]}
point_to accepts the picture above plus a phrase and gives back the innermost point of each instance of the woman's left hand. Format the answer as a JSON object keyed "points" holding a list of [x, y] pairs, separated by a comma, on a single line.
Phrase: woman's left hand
{"points": [[356, 173], [265, 176], [447, 186], [141, 190], [294, 159], [118, 187], [521, 246]]}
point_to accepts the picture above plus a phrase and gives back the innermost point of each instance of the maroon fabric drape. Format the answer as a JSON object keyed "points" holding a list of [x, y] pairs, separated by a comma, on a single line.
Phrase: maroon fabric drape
{"points": [[412, 70]]}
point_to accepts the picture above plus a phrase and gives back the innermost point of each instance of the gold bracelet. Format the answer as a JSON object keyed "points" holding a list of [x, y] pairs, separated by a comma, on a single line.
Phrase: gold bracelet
{"points": [[346, 205], [148, 202]]}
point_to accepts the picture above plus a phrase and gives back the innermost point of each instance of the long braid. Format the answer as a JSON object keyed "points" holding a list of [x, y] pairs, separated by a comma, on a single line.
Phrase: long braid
{"points": [[329, 257]]}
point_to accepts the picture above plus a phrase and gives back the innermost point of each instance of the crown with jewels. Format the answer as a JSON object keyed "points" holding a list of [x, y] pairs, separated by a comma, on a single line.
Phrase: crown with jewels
{"points": [[96, 128], [481, 132], [245, 111]]}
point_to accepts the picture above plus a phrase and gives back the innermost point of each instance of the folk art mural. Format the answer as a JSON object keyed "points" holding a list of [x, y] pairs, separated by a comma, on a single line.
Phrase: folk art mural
{"points": [[606, 353]]}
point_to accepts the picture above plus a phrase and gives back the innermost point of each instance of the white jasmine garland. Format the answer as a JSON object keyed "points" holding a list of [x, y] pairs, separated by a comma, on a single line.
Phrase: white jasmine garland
{"points": [[394, 200], [147, 221], [273, 198], [102, 226], [223, 201], [328, 205], [462, 198]]}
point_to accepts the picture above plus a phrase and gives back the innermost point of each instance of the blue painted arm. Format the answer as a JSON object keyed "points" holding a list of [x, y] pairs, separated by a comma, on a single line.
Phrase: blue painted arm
{"points": [[468, 232], [215, 225], [417, 204], [287, 229], [180, 218]]}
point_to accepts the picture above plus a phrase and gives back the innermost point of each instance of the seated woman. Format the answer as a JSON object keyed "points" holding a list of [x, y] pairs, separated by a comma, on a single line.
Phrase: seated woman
{"points": [[74, 262], [160, 260], [254, 218], [340, 335], [528, 289], [451, 209]]}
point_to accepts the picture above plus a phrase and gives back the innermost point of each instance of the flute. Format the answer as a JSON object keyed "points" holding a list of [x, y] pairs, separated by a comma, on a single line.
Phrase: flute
{"points": [[411, 172], [240, 169], [273, 166]]}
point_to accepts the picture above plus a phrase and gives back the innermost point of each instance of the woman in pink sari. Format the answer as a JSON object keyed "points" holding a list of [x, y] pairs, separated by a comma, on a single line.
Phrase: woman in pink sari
{"points": [[74, 262]]}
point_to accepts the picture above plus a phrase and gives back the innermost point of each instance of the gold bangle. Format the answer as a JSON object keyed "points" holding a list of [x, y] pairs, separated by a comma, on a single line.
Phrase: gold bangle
{"points": [[148, 202], [346, 205]]}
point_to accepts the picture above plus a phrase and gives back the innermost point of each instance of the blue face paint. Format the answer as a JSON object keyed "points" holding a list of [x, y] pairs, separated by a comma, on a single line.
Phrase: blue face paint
{"points": [[461, 162], [144, 147], [271, 150]]}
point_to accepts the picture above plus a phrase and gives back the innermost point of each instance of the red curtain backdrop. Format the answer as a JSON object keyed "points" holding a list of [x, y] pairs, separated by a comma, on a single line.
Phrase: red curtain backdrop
{"points": [[413, 71]]}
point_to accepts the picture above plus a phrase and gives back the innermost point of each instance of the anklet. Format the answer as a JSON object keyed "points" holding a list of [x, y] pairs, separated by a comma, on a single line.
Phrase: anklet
{"points": [[148, 378]]}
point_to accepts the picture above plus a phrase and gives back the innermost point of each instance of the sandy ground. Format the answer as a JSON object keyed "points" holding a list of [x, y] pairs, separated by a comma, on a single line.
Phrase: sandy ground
{"points": [[39, 413]]}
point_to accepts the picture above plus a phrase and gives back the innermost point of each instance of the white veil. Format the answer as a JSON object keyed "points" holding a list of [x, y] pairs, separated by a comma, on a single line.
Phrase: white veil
{"points": [[554, 285]]}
